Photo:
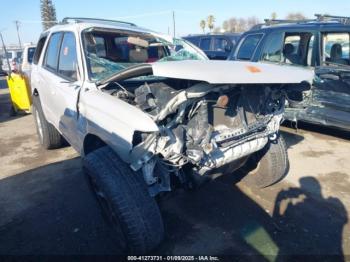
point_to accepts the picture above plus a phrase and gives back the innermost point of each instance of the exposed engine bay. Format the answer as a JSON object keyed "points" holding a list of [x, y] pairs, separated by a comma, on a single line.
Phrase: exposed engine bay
{"points": [[202, 126]]}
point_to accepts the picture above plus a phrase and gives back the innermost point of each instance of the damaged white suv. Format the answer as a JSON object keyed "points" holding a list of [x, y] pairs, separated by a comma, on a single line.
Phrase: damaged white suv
{"points": [[149, 113]]}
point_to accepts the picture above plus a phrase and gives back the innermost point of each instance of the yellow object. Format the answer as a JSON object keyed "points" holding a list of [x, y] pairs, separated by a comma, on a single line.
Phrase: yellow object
{"points": [[20, 92]]}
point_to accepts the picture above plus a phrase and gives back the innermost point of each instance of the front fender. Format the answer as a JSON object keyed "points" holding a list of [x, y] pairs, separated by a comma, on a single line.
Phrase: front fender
{"points": [[114, 120]]}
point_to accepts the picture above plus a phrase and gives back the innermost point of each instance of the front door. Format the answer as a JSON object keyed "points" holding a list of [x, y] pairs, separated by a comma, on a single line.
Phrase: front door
{"points": [[62, 84]]}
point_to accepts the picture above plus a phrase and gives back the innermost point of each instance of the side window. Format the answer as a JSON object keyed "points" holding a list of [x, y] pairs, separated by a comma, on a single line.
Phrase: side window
{"points": [[248, 46], [221, 44], [30, 54], [298, 48], [336, 48], [53, 47], [273, 48], [67, 65], [39, 49], [205, 43]]}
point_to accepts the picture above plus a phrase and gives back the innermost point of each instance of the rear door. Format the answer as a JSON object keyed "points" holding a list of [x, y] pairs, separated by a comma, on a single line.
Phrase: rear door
{"points": [[332, 90]]}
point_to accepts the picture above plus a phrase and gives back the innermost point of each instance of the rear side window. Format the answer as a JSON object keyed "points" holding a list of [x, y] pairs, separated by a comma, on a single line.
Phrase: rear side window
{"points": [[67, 65], [205, 44], [51, 59], [39, 49], [221, 44], [336, 48], [248, 47]]}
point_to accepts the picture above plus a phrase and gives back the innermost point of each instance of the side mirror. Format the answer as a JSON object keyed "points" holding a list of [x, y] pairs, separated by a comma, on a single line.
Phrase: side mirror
{"points": [[228, 49]]}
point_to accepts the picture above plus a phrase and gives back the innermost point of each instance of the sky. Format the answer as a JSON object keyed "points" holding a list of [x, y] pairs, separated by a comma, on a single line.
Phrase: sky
{"points": [[156, 14]]}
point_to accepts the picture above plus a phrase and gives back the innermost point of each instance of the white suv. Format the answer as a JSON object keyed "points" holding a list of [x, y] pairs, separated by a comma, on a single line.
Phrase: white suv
{"points": [[145, 110]]}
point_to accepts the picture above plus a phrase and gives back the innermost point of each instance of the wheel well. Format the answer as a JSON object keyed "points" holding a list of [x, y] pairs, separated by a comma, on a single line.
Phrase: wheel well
{"points": [[91, 143]]}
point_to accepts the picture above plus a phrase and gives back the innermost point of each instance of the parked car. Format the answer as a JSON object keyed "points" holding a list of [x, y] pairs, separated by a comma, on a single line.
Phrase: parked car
{"points": [[321, 44], [2, 72], [27, 59], [147, 118], [215, 46], [14, 57]]}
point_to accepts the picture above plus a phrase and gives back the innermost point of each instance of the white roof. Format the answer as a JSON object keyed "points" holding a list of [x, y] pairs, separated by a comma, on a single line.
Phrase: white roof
{"points": [[80, 26], [232, 72]]}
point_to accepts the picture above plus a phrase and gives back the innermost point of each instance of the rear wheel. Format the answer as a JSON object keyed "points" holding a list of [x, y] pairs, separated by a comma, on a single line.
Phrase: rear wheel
{"points": [[48, 135], [268, 166], [124, 199]]}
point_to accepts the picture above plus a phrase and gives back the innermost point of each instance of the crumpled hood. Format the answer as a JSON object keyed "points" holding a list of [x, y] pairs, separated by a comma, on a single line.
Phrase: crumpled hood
{"points": [[218, 72], [233, 72]]}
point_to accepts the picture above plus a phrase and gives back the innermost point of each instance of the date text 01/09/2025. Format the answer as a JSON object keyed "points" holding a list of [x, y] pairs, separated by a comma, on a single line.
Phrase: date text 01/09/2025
{"points": [[173, 258]]}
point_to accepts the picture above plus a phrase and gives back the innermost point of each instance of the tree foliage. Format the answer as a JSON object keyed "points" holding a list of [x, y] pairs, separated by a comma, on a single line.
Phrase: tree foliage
{"points": [[210, 22], [296, 16], [236, 24], [48, 14], [202, 25]]}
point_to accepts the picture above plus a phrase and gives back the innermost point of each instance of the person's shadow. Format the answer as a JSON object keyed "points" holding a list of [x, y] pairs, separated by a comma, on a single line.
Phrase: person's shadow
{"points": [[309, 224]]}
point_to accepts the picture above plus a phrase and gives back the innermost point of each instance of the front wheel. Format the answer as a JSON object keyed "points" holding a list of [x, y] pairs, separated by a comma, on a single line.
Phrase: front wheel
{"points": [[268, 166], [124, 199]]}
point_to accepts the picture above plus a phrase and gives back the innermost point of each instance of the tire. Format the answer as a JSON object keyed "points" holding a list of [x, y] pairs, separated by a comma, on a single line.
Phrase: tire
{"points": [[13, 111], [124, 199], [48, 135], [268, 166]]}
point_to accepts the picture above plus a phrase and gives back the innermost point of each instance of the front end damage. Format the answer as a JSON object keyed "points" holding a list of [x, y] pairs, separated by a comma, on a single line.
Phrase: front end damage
{"points": [[202, 126]]}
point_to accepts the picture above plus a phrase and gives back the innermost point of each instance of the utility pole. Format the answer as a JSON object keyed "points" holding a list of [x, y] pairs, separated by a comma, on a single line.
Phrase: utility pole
{"points": [[174, 23], [19, 39], [7, 59]]}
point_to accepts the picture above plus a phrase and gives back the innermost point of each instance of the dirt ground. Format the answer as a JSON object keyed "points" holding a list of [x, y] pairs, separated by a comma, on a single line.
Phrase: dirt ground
{"points": [[46, 207]]}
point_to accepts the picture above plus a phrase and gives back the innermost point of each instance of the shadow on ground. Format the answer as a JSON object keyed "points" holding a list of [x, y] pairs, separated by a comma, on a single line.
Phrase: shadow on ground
{"points": [[325, 130], [49, 210]]}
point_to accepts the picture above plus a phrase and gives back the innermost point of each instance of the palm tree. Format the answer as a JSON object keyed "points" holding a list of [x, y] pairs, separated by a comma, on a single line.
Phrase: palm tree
{"points": [[210, 22], [48, 13], [202, 25]]}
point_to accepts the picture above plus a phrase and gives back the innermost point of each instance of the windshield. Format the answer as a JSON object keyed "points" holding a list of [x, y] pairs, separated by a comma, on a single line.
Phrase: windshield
{"points": [[112, 51]]}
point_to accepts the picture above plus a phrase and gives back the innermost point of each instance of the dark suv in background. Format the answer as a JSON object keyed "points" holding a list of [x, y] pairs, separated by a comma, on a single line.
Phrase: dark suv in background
{"points": [[215, 46], [321, 44]]}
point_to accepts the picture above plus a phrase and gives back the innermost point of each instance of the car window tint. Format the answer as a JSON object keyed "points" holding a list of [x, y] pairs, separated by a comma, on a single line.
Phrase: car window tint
{"points": [[273, 48], [100, 46], [30, 54], [67, 65], [52, 51], [205, 43], [297, 48], [336, 48], [248, 47], [221, 44], [39, 49], [193, 40]]}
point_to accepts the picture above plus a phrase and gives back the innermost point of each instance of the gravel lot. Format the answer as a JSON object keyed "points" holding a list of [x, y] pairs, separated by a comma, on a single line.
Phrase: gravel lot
{"points": [[46, 207]]}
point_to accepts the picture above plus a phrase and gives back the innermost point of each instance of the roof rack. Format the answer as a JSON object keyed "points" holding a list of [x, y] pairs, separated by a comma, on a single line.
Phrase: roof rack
{"points": [[286, 21], [340, 19], [319, 18], [85, 19]]}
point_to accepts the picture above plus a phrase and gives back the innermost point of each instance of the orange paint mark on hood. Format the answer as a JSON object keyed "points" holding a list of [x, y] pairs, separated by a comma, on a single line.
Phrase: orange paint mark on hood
{"points": [[253, 69]]}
